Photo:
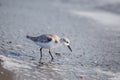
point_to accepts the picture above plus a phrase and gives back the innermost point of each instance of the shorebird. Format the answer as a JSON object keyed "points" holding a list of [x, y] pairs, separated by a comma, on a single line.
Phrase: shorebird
{"points": [[49, 41]]}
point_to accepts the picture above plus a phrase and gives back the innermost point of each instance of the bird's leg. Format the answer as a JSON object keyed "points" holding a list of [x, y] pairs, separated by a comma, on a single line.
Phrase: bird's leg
{"points": [[40, 55], [51, 55]]}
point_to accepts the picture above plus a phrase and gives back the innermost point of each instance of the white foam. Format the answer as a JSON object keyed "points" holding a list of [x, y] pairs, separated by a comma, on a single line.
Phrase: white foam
{"points": [[12, 64]]}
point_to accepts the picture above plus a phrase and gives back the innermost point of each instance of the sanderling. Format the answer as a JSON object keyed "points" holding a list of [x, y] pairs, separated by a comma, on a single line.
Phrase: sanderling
{"points": [[49, 41]]}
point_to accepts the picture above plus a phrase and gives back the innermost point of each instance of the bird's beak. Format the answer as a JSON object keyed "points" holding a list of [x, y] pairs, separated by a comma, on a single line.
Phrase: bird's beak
{"points": [[69, 48]]}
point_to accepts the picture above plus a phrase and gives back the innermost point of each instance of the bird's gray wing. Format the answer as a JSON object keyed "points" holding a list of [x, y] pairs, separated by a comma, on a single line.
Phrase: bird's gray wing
{"points": [[44, 39]]}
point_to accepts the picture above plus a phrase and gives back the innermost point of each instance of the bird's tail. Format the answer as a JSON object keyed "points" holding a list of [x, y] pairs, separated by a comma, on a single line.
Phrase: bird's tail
{"points": [[31, 38]]}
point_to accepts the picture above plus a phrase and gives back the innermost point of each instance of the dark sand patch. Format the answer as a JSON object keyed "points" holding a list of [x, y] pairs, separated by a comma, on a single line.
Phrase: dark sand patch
{"points": [[5, 74]]}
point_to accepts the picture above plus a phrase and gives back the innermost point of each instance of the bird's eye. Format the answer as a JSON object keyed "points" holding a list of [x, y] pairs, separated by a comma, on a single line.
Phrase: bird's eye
{"points": [[67, 42]]}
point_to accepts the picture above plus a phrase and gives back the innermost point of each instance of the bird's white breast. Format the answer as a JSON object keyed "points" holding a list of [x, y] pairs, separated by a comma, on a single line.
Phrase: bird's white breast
{"points": [[47, 45]]}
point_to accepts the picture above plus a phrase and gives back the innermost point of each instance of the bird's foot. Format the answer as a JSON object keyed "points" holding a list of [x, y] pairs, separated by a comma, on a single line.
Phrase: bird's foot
{"points": [[40, 62], [52, 59]]}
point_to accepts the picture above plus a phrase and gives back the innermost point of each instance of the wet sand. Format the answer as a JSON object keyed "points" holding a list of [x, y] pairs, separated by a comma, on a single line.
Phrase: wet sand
{"points": [[5, 74]]}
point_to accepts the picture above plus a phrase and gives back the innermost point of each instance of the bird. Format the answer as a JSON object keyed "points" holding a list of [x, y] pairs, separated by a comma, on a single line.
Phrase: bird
{"points": [[49, 41]]}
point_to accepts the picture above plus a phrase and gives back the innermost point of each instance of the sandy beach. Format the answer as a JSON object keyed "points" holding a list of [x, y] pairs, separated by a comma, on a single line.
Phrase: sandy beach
{"points": [[93, 27]]}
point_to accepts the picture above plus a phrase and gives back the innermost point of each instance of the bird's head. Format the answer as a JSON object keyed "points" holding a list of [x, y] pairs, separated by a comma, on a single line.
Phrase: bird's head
{"points": [[66, 42]]}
